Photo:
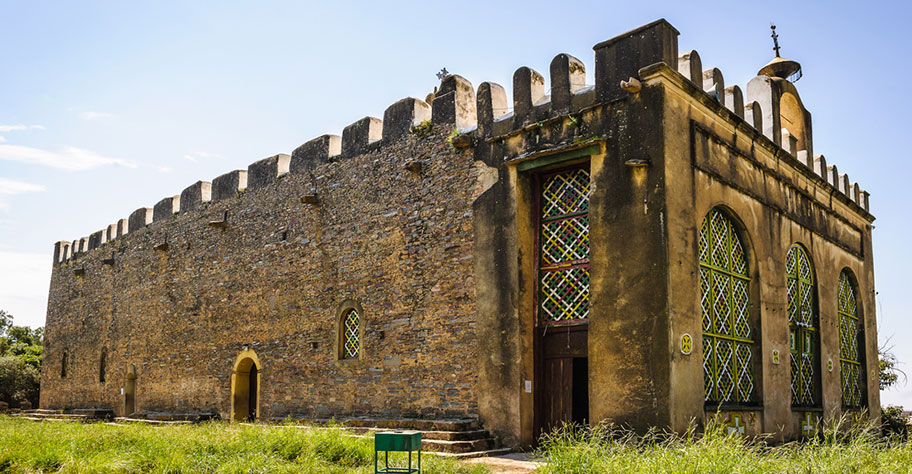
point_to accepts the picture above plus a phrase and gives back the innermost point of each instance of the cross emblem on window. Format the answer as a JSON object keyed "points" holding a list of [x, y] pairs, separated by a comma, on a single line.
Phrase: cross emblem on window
{"points": [[807, 425], [734, 424]]}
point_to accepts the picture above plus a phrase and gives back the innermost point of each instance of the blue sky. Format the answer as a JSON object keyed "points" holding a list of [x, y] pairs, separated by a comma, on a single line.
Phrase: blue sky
{"points": [[110, 106]]}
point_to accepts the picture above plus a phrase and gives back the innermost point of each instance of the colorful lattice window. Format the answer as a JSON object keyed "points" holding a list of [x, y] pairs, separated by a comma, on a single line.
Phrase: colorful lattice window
{"points": [[728, 347], [351, 334], [803, 333], [564, 247], [851, 351]]}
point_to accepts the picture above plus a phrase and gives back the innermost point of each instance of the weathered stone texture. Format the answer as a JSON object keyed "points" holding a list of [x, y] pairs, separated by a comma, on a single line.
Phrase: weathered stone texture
{"points": [[180, 317]]}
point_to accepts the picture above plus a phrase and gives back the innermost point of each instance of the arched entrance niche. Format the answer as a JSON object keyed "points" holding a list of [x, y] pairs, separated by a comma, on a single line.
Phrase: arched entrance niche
{"points": [[129, 392], [245, 387]]}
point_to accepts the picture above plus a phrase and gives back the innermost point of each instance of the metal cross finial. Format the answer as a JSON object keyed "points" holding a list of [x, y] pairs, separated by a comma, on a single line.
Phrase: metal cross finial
{"points": [[443, 73], [775, 39]]}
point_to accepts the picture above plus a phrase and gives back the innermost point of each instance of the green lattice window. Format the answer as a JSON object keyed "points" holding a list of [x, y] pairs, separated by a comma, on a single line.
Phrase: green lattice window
{"points": [[851, 351], [351, 334], [564, 247], [728, 346], [803, 327]]}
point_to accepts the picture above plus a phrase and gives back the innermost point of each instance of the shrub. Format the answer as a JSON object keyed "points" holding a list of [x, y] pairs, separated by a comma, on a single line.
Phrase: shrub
{"points": [[893, 423], [19, 381]]}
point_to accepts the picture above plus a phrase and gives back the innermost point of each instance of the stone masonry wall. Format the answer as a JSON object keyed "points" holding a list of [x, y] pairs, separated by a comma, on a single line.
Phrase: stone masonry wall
{"points": [[396, 241]]}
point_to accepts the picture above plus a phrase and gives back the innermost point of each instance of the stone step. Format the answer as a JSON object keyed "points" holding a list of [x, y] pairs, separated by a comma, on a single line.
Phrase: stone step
{"points": [[195, 417], [123, 419], [456, 447], [462, 424], [97, 413], [436, 435], [54, 416], [476, 454]]}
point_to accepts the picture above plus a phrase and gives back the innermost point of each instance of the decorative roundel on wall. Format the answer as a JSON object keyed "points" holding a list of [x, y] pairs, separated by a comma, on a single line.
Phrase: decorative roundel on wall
{"points": [[776, 356], [686, 343], [829, 365]]}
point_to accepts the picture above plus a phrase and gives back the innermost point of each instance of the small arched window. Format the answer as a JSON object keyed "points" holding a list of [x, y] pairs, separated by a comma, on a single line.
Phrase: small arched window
{"points": [[350, 347], [851, 344], [102, 366], [804, 336], [728, 344], [64, 361]]}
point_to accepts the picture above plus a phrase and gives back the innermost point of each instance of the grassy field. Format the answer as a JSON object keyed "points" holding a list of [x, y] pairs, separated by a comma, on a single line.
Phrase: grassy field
{"points": [[604, 450], [219, 447], [27, 446]]}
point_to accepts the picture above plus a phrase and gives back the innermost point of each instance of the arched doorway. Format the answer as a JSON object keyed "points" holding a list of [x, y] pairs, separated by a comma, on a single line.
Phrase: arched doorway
{"points": [[129, 392], [245, 387]]}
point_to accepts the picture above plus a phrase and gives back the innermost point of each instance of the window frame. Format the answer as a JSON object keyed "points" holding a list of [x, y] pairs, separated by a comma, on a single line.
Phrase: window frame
{"points": [[851, 283], [799, 332], [711, 338], [341, 336]]}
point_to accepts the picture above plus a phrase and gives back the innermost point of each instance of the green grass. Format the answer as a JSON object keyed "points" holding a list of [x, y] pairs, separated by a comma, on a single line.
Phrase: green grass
{"points": [[217, 447], [574, 450]]}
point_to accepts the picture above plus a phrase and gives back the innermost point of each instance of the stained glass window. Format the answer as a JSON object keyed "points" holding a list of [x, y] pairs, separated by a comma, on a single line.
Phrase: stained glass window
{"points": [[564, 247], [851, 351], [803, 328], [351, 335], [725, 302]]}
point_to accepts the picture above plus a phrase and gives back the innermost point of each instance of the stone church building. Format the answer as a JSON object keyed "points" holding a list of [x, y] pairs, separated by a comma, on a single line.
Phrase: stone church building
{"points": [[648, 250]]}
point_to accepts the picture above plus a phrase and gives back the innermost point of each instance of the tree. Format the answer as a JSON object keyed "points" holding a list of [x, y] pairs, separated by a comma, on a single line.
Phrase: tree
{"points": [[19, 381], [6, 320], [20, 361], [889, 367]]}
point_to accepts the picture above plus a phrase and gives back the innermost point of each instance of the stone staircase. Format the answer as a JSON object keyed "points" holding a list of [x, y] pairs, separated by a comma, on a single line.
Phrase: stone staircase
{"points": [[460, 438], [77, 414]]}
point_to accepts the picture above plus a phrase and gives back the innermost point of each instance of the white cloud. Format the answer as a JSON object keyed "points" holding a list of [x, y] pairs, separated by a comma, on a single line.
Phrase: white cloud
{"points": [[2, 139], [195, 156], [165, 169], [95, 115], [68, 159], [10, 187], [17, 128], [24, 280]]}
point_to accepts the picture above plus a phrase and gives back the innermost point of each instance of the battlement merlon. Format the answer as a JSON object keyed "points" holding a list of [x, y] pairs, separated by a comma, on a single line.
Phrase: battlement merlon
{"points": [[486, 115], [815, 168]]}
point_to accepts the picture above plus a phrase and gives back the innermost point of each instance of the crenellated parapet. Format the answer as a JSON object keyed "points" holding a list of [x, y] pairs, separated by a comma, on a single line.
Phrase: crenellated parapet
{"points": [[769, 105]]}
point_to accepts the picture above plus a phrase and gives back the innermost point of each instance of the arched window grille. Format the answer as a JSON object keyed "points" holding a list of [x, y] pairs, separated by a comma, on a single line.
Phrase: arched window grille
{"points": [[804, 348], [351, 334], [851, 344], [725, 303], [64, 361], [102, 366]]}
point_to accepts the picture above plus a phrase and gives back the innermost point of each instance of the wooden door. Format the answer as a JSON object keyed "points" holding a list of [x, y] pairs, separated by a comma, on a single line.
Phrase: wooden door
{"points": [[564, 377]]}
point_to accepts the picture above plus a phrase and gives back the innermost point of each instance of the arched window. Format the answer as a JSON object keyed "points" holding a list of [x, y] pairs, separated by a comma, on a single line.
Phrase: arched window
{"points": [[350, 347], [803, 328], [851, 344], [64, 361], [728, 362], [102, 365]]}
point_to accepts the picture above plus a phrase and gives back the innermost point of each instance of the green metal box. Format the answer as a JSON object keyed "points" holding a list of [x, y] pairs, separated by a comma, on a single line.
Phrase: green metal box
{"points": [[397, 441], [392, 441]]}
